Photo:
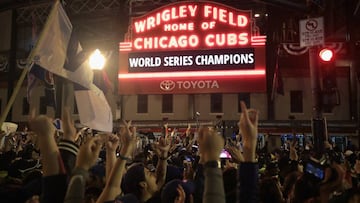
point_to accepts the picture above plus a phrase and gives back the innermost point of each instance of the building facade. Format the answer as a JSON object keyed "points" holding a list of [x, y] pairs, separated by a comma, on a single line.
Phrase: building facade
{"points": [[280, 114]]}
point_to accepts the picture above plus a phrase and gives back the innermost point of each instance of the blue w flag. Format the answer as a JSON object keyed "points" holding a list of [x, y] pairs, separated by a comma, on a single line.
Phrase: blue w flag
{"points": [[39, 74]]}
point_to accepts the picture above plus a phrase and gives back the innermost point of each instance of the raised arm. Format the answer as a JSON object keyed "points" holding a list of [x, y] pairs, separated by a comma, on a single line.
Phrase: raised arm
{"points": [[68, 148], [162, 149], [87, 157], [54, 178], [248, 170], [45, 130], [210, 146], [128, 144], [112, 143]]}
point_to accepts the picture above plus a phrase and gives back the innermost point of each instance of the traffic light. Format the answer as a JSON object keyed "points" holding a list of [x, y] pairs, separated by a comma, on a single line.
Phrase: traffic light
{"points": [[327, 65], [326, 55], [330, 94]]}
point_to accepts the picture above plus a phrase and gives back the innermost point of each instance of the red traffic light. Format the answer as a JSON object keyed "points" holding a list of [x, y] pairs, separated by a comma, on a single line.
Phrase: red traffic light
{"points": [[326, 54]]}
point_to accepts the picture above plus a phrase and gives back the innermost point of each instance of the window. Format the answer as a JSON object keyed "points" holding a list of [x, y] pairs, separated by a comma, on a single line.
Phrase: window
{"points": [[25, 107], [167, 103], [76, 110], [216, 103], [43, 105], [243, 97], [142, 103], [296, 101]]}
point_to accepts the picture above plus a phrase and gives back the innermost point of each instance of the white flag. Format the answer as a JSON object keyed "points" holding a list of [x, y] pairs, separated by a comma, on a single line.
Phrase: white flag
{"points": [[57, 45], [94, 110]]}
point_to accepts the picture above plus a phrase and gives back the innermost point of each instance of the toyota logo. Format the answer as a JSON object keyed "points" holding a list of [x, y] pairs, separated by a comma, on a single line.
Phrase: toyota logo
{"points": [[167, 85]]}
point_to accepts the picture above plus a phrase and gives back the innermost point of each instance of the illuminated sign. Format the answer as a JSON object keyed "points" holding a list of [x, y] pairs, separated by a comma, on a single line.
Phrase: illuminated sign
{"points": [[227, 59], [185, 46]]}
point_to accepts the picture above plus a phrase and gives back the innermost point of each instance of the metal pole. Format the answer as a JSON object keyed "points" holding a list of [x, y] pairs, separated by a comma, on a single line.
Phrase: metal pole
{"points": [[315, 83], [318, 123]]}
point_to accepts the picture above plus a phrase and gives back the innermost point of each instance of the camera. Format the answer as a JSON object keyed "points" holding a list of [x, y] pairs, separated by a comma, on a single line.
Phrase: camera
{"points": [[314, 171]]}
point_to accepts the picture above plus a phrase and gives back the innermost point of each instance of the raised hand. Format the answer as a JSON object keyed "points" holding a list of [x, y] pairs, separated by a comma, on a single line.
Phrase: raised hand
{"points": [[127, 139], [188, 130], [112, 142], [249, 129], [210, 144], [166, 128], [89, 153], [42, 126], [293, 151], [162, 147]]}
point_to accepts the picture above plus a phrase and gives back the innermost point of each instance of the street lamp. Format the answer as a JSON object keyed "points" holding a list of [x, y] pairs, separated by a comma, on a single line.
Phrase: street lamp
{"points": [[97, 63], [97, 60]]}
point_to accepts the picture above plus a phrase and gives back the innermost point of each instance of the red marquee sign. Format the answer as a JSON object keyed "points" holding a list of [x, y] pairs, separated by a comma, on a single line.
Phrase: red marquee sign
{"points": [[192, 47]]}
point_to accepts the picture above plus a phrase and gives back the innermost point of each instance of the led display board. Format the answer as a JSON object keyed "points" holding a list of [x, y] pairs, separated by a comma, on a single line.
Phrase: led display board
{"points": [[192, 47]]}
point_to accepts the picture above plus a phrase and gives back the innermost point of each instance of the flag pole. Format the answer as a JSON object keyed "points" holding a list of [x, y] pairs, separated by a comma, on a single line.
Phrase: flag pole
{"points": [[25, 71], [276, 75]]}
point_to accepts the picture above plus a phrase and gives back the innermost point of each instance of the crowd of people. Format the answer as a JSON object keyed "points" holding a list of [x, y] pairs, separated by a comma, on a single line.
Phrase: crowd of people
{"points": [[74, 166]]}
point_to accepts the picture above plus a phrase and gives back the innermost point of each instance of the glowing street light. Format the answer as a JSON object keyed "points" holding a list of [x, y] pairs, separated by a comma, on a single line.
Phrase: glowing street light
{"points": [[97, 60]]}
